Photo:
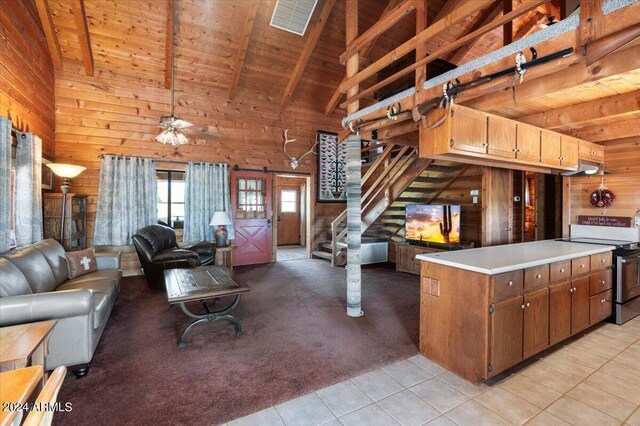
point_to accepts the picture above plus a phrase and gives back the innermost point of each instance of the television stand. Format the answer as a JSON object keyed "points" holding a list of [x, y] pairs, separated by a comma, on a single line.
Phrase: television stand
{"points": [[406, 253]]}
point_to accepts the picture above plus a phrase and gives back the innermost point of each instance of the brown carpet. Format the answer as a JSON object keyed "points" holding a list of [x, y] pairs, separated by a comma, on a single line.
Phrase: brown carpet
{"points": [[297, 338]]}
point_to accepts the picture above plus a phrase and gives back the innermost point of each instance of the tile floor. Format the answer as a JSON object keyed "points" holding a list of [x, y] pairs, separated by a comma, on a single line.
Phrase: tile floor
{"points": [[594, 380], [285, 253]]}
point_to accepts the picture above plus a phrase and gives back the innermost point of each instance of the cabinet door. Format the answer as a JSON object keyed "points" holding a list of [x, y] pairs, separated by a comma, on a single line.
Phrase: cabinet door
{"points": [[601, 307], [528, 143], [569, 151], [403, 258], [580, 304], [506, 334], [501, 137], [559, 312], [536, 322], [550, 148], [598, 152], [469, 131]]}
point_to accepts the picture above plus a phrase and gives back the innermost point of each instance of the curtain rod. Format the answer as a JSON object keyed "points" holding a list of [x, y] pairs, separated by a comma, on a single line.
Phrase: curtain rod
{"points": [[155, 160], [237, 168]]}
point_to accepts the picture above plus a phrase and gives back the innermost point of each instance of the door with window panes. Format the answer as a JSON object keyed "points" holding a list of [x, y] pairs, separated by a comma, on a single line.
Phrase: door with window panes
{"points": [[252, 215], [288, 215]]}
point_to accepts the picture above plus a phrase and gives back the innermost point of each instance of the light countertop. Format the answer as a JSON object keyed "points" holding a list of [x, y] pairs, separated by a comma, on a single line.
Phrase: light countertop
{"points": [[510, 257]]}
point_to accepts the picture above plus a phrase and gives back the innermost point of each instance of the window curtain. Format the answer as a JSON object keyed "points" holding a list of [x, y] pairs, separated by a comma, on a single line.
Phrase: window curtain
{"points": [[127, 199], [206, 192], [5, 184], [28, 189]]}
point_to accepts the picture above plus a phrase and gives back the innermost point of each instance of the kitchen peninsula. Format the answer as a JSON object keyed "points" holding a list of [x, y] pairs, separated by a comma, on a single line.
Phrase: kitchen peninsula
{"points": [[485, 310]]}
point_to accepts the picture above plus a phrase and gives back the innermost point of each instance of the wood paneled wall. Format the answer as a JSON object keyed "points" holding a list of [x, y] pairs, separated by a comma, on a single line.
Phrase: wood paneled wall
{"points": [[623, 160], [26, 72]]}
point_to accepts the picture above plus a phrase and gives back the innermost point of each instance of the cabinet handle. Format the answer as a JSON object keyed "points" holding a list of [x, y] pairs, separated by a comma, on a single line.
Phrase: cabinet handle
{"points": [[561, 270], [538, 276], [510, 283], [571, 290], [523, 306], [603, 300], [575, 288], [602, 282], [528, 304], [560, 158], [485, 144], [582, 266], [602, 260]]}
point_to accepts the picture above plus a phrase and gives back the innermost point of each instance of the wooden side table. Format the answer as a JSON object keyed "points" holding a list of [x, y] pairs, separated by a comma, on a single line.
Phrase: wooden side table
{"points": [[25, 344], [224, 256]]}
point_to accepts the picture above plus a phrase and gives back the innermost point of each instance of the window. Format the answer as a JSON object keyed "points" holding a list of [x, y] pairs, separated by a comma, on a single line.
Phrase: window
{"points": [[288, 201], [171, 198], [252, 199]]}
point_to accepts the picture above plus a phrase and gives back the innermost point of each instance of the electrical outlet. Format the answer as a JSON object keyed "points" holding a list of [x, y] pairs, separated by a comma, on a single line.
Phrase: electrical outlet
{"points": [[475, 200], [637, 221]]}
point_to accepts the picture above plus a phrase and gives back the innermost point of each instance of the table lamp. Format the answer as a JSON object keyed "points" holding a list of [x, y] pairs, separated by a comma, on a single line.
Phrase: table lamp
{"points": [[66, 172], [221, 219]]}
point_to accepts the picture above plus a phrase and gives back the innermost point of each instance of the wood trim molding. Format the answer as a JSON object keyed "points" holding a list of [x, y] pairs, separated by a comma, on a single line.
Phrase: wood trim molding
{"points": [[50, 33], [242, 49], [168, 45]]}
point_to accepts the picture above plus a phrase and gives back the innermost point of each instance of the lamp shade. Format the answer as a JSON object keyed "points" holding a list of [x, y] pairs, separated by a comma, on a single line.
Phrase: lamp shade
{"points": [[66, 170], [220, 218]]}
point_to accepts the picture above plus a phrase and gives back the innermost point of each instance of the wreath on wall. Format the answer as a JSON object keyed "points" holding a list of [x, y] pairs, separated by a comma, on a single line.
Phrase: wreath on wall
{"points": [[602, 197]]}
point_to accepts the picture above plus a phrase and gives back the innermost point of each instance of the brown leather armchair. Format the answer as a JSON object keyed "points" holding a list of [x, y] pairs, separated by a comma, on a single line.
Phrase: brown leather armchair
{"points": [[158, 250]]}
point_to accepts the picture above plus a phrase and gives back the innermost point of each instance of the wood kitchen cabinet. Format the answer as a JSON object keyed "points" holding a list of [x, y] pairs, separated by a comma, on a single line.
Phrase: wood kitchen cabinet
{"points": [[406, 257], [476, 137], [479, 325], [559, 312], [468, 130], [528, 142], [501, 137], [551, 148], [580, 304], [590, 151], [536, 322], [506, 333]]}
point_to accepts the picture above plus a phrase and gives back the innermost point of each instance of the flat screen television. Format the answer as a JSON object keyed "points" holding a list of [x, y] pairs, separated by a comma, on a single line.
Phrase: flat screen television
{"points": [[433, 223]]}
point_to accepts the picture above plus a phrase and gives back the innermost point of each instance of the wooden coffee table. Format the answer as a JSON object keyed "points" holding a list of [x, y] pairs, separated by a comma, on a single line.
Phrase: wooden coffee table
{"points": [[199, 285]]}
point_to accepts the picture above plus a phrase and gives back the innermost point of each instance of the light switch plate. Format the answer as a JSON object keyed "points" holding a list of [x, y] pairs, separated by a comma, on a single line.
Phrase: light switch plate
{"points": [[473, 192], [637, 221]]}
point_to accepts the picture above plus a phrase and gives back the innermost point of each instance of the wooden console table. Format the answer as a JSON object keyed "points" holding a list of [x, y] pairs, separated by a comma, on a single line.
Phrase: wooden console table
{"points": [[25, 344]]}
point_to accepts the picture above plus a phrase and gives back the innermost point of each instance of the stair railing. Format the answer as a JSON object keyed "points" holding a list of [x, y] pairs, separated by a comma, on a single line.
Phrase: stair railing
{"points": [[382, 172]]}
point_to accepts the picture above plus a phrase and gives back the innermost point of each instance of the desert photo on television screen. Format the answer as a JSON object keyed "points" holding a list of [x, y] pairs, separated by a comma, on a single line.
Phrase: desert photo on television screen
{"points": [[433, 223]]}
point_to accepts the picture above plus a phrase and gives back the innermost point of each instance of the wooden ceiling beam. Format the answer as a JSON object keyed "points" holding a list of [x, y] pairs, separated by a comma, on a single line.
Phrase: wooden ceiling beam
{"points": [[520, 10], [168, 46], [591, 21], [606, 132], [249, 20], [483, 18], [82, 28], [337, 94], [50, 33], [507, 28], [379, 28], [530, 23], [307, 50], [617, 105], [463, 11], [620, 62], [447, 8]]}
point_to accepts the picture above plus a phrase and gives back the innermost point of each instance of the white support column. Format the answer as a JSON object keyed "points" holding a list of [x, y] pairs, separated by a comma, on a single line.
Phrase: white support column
{"points": [[354, 227]]}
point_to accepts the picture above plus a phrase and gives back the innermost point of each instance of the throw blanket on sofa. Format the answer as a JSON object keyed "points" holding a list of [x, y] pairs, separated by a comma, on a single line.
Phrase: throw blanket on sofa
{"points": [[127, 199]]}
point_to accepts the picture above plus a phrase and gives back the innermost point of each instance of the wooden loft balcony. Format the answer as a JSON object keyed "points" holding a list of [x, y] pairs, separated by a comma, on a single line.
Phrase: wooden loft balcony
{"points": [[591, 93]]}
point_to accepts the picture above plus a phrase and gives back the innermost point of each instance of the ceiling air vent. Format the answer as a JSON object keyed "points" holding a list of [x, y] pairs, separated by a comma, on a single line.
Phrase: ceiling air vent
{"points": [[293, 15]]}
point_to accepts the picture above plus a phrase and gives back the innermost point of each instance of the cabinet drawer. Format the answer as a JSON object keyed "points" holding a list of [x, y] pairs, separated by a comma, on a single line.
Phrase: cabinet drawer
{"points": [[601, 260], [536, 277], [580, 265], [507, 284], [601, 306], [600, 281], [559, 271]]}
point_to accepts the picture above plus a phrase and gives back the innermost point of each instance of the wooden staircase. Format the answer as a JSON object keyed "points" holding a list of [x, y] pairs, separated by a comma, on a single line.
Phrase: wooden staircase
{"points": [[386, 175], [392, 179]]}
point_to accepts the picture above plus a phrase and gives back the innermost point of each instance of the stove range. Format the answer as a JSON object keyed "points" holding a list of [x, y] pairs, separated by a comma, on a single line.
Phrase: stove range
{"points": [[626, 276]]}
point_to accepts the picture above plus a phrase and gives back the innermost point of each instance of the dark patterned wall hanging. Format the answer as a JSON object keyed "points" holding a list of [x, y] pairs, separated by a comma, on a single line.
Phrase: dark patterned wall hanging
{"points": [[332, 173]]}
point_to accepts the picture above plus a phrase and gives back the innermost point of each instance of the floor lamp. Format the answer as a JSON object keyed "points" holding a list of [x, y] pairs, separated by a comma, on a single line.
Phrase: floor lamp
{"points": [[66, 172]]}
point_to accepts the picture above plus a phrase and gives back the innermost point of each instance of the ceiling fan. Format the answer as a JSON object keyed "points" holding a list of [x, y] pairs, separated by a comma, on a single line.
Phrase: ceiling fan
{"points": [[177, 129]]}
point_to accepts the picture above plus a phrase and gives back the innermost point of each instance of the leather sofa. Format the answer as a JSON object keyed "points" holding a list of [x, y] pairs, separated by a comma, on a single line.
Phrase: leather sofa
{"points": [[158, 250], [35, 286]]}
